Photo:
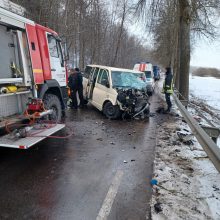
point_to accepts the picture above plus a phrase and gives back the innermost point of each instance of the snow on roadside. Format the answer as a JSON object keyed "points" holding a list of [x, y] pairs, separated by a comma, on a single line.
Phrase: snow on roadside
{"points": [[206, 89], [188, 183]]}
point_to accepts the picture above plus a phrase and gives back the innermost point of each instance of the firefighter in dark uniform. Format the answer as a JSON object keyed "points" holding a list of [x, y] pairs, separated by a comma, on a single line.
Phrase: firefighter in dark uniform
{"points": [[75, 83], [168, 88]]}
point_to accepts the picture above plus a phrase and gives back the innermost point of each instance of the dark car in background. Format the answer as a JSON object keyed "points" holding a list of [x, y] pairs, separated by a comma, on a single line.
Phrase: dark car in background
{"points": [[156, 71]]}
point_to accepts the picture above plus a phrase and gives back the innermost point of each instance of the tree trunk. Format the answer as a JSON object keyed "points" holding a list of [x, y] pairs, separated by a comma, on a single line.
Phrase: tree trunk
{"points": [[176, 59], [120, 35], [184, 48]]}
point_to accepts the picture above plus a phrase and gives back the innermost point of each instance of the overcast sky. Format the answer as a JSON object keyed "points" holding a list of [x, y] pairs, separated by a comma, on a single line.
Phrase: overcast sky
{"points": [[206, 54]]}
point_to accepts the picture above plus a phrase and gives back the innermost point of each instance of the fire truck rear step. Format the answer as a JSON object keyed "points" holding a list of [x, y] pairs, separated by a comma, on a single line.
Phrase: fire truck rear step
{"points": [[27, 142]]}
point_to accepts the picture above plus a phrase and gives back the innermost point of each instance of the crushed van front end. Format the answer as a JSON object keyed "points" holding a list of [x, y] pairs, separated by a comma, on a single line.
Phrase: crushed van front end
{"points": [[133, 103]]}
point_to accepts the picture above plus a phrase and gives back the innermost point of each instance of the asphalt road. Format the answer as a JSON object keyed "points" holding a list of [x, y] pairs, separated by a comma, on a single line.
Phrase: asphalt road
{"points": [[102, 172]]}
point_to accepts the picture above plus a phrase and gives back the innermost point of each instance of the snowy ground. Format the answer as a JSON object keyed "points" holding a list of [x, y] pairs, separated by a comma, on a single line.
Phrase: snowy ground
{"points": [[188, 184], [205, 100], [206, 89]]}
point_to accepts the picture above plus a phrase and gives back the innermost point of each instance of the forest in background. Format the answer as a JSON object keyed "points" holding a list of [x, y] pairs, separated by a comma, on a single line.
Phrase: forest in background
{"points": [[205, 71], [96, 31]]}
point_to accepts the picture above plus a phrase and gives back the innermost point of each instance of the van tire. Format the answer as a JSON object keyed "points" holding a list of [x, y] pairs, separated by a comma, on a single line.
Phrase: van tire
{"points": [[111, 111], [51, 101]]}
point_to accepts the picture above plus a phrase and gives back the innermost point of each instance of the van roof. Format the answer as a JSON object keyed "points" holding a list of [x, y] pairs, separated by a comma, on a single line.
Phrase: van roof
{"points": [[114, 68]]}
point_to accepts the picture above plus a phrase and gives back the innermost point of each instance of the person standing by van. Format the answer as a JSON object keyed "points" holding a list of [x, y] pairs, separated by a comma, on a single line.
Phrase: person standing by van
{"points": [[76, 86], [168, 88]]}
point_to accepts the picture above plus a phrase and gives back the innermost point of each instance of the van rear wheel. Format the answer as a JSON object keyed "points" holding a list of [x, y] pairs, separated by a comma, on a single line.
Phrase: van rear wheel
{"points": [[111, 111]]}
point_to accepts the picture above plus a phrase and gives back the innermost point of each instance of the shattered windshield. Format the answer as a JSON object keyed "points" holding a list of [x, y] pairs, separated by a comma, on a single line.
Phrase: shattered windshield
{"points": [[128, 79]]}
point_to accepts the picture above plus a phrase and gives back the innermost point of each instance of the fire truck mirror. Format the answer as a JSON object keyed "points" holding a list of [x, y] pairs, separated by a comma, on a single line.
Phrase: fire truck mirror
{"points": [[65, 51]]}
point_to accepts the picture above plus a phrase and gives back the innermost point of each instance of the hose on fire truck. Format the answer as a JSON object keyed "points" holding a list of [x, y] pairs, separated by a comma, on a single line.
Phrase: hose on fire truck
{"points": [[33, 114]]}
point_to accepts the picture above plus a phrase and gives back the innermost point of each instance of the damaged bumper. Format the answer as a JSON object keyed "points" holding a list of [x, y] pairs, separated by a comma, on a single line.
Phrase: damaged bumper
{"points": [[133, 102], [144, 112]]}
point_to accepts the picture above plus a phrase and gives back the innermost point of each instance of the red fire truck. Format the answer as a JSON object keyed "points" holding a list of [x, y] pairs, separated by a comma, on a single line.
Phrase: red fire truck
{"points": [[33, 79]]}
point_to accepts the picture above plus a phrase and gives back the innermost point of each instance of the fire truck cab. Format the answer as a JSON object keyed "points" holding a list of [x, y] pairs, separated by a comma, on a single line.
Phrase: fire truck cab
{"points": [[32, 66]]}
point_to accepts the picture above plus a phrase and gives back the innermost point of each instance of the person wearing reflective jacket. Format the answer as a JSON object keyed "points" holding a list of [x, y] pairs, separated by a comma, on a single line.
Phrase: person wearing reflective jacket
{"points": [[168, 88]]}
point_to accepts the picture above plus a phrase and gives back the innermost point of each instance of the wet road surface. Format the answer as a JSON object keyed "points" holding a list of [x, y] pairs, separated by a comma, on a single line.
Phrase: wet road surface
{"points": [[103, 169]]}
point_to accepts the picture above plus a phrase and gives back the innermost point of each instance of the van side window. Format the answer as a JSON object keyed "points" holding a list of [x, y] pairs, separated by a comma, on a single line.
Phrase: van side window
{"points": [[104, 78], [87, 72], [100, 75], [94, 77], [52, 42]]}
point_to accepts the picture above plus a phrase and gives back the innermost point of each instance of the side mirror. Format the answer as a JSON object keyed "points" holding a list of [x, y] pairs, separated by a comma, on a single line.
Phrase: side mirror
{"points": [[65, 51], [106, 83]]}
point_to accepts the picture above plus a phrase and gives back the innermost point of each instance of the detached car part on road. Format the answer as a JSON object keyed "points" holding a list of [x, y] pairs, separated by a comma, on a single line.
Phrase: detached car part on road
{"points": [[116, 92]]}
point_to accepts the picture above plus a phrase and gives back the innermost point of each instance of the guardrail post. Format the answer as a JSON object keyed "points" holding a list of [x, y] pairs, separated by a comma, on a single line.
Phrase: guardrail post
{"points": [[212, 132], [184, 103]]}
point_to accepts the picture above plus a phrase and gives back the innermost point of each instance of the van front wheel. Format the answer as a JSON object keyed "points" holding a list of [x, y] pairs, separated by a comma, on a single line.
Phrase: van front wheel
{"points": [[111, 111]]}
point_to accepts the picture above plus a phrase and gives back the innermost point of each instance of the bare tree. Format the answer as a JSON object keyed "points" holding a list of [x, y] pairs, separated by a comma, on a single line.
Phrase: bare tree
{"points": [[95, 32], [181, 18]]}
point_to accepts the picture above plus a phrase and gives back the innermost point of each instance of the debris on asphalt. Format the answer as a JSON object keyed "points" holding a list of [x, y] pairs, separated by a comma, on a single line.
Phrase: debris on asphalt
{"points": [[186, 138], [215, 188], [152, 115], [158, 207], [197, 118], [160, 110], [153, 182], [183, 120]]}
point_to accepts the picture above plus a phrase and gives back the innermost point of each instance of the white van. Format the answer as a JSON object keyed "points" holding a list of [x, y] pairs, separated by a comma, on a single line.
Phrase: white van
{"points": [[147, 69], [116, 91]]}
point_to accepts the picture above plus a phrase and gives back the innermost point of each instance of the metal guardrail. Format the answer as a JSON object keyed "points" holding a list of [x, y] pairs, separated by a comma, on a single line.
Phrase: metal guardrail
{"points": [[211, 149]]}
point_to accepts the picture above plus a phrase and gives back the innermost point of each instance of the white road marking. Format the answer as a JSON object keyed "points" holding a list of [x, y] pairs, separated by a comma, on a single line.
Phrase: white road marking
{"points": [[110, 197]]}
